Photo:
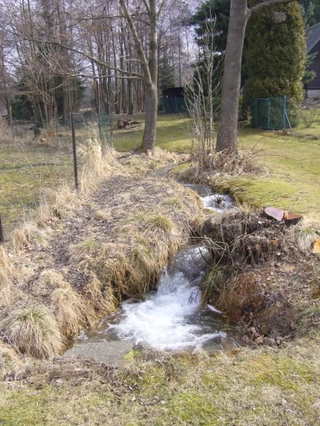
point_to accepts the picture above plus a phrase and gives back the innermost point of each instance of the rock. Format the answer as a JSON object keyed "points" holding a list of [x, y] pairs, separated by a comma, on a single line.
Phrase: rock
{"points": [[292, 218], [274, 213]]}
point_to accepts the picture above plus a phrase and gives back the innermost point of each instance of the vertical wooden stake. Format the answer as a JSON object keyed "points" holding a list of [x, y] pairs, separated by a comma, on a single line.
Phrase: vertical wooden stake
{"points": [[74, 150]]}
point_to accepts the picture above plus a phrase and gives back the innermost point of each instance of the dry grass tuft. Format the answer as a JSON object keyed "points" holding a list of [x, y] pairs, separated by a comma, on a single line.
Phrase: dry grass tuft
{"points": [[222, 164], [100, 295], [6, 276], [96, 165], [33, 331], [305, 237], [102, 215], [27, 235], [89, 247], [48, 281], [8, 359], [58, 203], [152, 239], [70, 311], [69, 308], [154, 228], [85, 253], [241, 292], [146, 262], [120, 271]]}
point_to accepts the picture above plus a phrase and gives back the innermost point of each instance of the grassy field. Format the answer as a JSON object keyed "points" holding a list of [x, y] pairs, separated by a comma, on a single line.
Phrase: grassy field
{"points": [[268, 386], [290, 177], [244, 388]]}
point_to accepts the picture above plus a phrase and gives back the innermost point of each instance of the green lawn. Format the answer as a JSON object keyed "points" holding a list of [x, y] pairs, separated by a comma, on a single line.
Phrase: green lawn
{"points": [[267, 387], [290, 177]]}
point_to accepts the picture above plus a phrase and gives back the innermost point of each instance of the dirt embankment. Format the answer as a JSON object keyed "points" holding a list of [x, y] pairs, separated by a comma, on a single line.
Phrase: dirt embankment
{"points": [[266, 277], [76, 262]]}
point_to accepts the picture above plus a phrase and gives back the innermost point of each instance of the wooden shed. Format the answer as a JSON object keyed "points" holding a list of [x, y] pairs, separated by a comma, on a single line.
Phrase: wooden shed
{"points": [[173, 100]]}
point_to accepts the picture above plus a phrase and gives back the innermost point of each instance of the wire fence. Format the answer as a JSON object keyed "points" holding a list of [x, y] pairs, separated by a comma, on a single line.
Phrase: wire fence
{"points": [[35, 160]]}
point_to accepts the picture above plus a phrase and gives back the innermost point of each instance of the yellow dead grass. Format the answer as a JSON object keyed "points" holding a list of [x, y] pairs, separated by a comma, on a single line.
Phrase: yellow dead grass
{"points": [[69, 308], [6, 277], [126, 262], [33, 331], [70, 311], [48, 281], [101, 296]]}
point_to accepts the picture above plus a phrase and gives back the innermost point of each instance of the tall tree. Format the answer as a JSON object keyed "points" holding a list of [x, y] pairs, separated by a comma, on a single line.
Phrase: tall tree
{"points": [[149, 65], [310, 11], [275, 56], [239, 16], [212, 15]]}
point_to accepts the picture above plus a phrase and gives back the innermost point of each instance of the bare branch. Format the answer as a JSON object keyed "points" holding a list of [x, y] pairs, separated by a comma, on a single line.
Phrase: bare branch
{"points": [[147, 6], [86, 55], [138, 43]]}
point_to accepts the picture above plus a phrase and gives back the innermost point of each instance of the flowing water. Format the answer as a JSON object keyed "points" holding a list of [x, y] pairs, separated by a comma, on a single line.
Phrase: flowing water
{"points": [[171, 318]]}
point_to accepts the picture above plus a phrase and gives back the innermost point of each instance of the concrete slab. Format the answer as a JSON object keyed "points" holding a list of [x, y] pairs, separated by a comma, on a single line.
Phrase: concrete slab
{"points": [[109, 353]]}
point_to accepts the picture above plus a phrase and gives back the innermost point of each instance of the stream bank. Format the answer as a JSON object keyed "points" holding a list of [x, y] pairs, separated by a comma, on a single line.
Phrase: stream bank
{"points": [[76, 265]]}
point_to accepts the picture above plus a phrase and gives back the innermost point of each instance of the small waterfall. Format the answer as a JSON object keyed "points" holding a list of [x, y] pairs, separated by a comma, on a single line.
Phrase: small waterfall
{"points": [[170, 319], [213, 201]]}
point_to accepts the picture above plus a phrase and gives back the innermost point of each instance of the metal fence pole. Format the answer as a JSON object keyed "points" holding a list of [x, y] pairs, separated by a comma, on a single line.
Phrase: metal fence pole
{"points": [[1, 232], [74, 151]]}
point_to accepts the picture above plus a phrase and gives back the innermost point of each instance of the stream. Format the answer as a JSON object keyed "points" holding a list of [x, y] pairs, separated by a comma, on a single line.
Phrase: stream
{"points": [[171, 318]]}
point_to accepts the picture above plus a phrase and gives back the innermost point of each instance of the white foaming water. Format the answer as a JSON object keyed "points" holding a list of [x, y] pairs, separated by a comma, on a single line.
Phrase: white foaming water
{"points": [[218, 202], [165, 319]]}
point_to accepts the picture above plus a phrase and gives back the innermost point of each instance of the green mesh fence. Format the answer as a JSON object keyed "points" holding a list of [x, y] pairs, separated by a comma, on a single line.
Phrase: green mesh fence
{"points": [[105, 128], [270, 113]]}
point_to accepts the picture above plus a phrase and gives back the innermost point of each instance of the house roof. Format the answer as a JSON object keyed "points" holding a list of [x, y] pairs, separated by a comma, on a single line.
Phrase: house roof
{"points": [[313, 36]]}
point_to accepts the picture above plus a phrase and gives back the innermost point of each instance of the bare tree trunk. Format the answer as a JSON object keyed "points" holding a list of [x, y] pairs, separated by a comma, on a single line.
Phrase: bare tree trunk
{"points": [[227, 133], [150, 129], [151, 94], [150, 70], [239, 15]]}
